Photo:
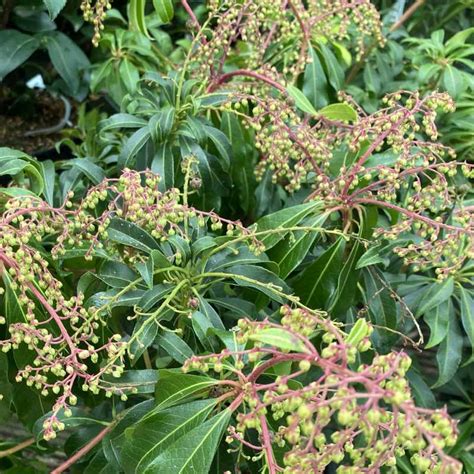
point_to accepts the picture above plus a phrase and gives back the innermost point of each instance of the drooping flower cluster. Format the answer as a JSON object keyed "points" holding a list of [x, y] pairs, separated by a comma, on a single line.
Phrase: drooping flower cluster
{"points": [[276, 35], [392, 161], [65, 335], [95, 12], [327, 408]]}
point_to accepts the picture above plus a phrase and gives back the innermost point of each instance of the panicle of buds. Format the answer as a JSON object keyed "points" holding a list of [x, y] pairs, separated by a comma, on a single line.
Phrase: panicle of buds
{"points": [[63, 332], [328, 408], [392, 161], [268, 28], [94, 11]]}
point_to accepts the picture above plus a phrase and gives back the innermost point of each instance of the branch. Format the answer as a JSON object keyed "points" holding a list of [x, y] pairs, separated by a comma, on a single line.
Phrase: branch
{"points": [[84, 450], [18, 447], [190, 12], [244, 72], [407, 15]]}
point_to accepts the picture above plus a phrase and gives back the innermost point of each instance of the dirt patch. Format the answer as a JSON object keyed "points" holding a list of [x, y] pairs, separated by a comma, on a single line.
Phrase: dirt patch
{"points": [[32, 110]]}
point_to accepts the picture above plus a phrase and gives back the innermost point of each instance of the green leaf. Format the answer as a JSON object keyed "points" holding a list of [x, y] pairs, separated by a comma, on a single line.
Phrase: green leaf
{"points": [[16, 49], [147, 439], [438, 321], [449, 353], [235, 256], [192, 453], [264, 279], [16, 163], [359, 331], [54, 7], [93, 172], [133, 145], [118, 121], [301, 101], [49, 175], [78, 418], [292, 250], [210, 313], [381, 306], [315, 81], [136, 14], [340, 112], [5, 388], [153, 296], [280, 338], [116, 274], [423, 395], [165, 10], [201, 326], [146, 270], [467, 314], [174, 346], [129, 234], [436, 294], [143, 381], [453, 81], [144, 334], [175, 386], [283, 219], [67, 58], [317, 283], [161, 124], [163, 163], [129, 75], [334, 71], [15, 313], [371, 257], [221, 143]]}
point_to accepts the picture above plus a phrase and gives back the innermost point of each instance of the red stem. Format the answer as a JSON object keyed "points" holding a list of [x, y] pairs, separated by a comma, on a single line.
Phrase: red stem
{"points": [[244, 72], [190, 12], [84, 450], [410, 214]]}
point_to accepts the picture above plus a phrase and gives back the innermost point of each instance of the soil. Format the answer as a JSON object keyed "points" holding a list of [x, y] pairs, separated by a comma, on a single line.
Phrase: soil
{"points": [[30, 110]]}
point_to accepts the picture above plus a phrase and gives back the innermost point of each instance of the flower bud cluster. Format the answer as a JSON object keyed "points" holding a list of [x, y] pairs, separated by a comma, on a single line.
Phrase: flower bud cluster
{"points": [[369, 408], [284, 30], [95, 14], [68, 339], [413, 176]]}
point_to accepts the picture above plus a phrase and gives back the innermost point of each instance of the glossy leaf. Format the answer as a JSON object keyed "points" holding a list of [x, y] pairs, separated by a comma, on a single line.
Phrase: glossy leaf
{"points": [[339, 112], [281, 220], [436, 294], [300, 100], [438, 321], [147, 439], [54, 7], [280, 338], [16, 49], [165, 10], [449, 353], [137, 16], [292, 250], [174, 346], [466, 301], [67, 58], [174, 386], [317, 283], [129, 234], [194, 451], [315, 81]]}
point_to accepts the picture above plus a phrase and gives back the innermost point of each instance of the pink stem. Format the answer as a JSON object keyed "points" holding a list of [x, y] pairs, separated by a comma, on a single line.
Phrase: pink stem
{"points": [[84, 450], [244, 72]]}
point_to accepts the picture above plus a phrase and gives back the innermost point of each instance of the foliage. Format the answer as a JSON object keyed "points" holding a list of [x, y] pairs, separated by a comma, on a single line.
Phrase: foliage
{"points": [[258, 256]]}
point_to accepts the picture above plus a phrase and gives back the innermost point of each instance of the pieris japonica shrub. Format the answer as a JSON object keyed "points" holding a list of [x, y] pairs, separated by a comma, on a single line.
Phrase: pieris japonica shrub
{"points": [[64, 344], [244, 270]]}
